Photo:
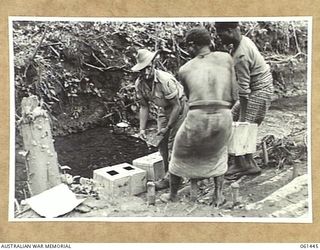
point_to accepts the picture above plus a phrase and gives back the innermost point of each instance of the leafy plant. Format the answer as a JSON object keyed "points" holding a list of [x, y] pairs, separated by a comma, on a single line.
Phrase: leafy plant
{"points": [[71, 64]]}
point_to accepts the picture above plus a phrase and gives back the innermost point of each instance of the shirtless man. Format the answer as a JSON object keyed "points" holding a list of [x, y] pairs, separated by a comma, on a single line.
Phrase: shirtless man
{"points": [[200, 148]]}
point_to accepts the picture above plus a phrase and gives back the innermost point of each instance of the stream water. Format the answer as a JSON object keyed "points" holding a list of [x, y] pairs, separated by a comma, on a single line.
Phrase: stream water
{"points": [[96, 148]]}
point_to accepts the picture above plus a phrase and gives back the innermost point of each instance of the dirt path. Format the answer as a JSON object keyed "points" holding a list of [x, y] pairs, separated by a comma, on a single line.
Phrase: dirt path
{"points": [[274, 193]]}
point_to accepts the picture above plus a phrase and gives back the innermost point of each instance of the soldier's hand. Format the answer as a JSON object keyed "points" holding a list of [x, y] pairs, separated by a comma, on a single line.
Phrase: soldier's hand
{"points": [[163, 131], [142, 134]]}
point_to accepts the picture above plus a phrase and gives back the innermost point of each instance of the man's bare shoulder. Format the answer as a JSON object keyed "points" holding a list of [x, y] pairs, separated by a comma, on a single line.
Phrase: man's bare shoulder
{"points": [[221, 55], [185, 67]]}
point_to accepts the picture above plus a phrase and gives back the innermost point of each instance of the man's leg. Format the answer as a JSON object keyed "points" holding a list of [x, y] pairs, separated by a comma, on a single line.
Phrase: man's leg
{"points": [[166, 146], [240, 165], [218, 198], [163, 149], [175, 182], [254, 168], [164, 152], [194, 189], [244, 165]]}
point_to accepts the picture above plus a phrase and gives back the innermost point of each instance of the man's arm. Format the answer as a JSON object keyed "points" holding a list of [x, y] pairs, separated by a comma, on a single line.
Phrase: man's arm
{"points": [[176, 106], [234, 85], [182, 81], [242, 69], [143, 116], [171, 94], [143, 111]]}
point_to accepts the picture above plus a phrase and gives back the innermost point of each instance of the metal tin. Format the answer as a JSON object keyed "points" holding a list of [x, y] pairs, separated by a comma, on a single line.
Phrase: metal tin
{"points": [[151, 193]]}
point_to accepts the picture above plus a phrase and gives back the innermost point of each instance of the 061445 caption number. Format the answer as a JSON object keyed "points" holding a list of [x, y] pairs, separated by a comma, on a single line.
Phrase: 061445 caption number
{"points": [[307, 245]]}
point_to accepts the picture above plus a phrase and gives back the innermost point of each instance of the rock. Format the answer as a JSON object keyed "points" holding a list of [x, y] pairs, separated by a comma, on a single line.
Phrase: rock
{"points": [[83, 209], [96, 204]]}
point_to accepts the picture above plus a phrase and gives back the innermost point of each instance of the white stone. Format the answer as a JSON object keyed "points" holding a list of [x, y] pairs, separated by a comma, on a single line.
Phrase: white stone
{"points": [[153, 164]]}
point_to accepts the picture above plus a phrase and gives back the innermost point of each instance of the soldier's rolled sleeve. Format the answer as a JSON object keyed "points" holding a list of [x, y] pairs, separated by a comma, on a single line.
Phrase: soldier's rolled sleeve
{"points": [[170, 89]]}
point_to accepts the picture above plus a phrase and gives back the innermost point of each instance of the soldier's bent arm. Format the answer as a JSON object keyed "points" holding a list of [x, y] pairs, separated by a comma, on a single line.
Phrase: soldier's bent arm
{"points": [[175, 104], [143, 113]]}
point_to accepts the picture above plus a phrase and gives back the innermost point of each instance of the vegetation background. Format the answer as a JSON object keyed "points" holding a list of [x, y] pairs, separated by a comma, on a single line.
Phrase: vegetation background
{"points": [[81, 70]]}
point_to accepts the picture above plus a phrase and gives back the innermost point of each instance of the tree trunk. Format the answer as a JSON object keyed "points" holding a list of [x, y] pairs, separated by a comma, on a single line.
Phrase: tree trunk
{"points": [[41, 158]]}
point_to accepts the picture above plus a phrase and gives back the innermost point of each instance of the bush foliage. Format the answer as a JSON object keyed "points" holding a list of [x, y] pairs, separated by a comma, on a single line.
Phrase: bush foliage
{"points": [[81, 70]]}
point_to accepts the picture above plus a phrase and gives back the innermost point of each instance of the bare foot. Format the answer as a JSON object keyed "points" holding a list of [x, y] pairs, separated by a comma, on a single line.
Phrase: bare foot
{"points": [[218, 201], [166, 198]]}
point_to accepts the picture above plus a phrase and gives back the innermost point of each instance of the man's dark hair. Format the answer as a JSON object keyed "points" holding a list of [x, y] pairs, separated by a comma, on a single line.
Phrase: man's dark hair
{"points": [[198, 36], [221, 26]]}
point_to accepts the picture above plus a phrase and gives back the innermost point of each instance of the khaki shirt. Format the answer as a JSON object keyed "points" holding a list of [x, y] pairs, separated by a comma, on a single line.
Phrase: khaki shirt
{"points": [[164, 87]]}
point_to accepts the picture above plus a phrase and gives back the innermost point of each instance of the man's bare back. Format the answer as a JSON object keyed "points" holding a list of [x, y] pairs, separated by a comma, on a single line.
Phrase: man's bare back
{"points": [[209, 78], [200, 147]]}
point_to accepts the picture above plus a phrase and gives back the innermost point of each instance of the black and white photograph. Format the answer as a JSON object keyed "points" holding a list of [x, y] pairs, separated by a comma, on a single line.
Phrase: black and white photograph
{"points": [[160, 119]]}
